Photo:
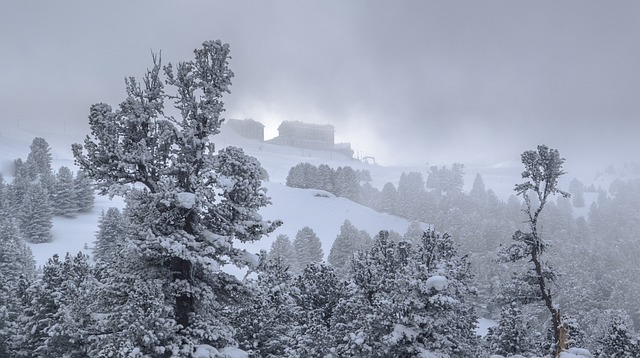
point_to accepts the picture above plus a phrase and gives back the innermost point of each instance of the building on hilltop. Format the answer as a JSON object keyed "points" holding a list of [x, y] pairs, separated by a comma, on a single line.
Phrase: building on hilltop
{"points": [[247, 128], [305, 135], [310, 136]]}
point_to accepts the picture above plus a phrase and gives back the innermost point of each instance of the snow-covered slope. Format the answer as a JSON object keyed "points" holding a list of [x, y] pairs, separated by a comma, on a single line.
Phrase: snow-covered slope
{"points": [[322, 212], [297, 208]]}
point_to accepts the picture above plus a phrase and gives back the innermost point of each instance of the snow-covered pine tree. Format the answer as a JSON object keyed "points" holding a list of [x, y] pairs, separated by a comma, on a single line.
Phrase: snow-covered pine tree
{"points": [[267, 324], [513, 334], [4, 197], [18, 187], [39, 159], [326, 178], [35, 215], [83, 187], [348, 241], [369, 196], [619, 339], [16, 259], [478, 193], [446, 181], [404, 301], [576, 188], [38, 165], [317, 293], [411, 194], [133, 315], [308, 247], [195, 204], [16, 266], [543, 167], [347, 183], [388, 199], [50, 327], [282, 249], [414, 233], [304, 176], [65, 198], [112, 231]]}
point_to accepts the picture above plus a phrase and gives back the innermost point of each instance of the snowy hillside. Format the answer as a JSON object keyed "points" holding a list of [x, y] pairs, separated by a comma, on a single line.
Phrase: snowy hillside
{"points": [[297, 208]]}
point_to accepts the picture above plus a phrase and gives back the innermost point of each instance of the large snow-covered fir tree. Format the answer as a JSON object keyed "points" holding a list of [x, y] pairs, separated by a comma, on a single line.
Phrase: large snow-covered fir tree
{"points": [[196, 203]]}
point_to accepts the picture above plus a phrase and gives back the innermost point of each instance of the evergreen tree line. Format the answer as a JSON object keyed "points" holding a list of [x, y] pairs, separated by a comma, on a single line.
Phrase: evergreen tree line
{"points": [[395, 299], [592, 255], [402, 296], [343, 181], [36, 193]]}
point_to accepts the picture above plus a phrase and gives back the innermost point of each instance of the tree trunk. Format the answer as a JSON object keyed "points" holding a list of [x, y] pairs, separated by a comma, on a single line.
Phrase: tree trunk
{"points": [[181, 269], [559, 332], [183, 278], [556, 319]]}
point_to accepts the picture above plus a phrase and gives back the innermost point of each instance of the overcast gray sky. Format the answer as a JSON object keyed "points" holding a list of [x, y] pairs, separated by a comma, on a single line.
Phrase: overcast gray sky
{"points": [[404, 81]]}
